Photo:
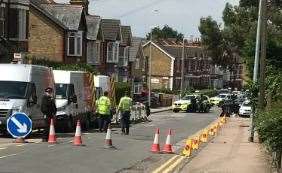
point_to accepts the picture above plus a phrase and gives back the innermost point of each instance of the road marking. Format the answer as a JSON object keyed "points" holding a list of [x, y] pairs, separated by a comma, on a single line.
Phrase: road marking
{"points": [[20, 145], [3, 148], [51, 145], [165, 165], [171, 167], [2, 157]]}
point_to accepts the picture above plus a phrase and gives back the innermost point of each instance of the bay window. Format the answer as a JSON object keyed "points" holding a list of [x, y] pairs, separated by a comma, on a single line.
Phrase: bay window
{"points": [[18, 22], [75, 43], [2, 20], [93, 52], [112, 52]]}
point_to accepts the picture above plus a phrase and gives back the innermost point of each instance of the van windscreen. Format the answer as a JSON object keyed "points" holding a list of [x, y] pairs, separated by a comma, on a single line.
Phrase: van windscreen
{"points": [[61, 91], [13, 89]]}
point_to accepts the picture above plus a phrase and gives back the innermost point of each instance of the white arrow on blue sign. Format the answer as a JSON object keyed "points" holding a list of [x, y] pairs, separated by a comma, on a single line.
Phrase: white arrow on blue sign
{"points": [[19, 125]]}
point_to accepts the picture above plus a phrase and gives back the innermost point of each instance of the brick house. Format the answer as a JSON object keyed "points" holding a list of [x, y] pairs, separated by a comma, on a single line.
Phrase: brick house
{"points": [[94, 40], [62, 25], [137, 64], [109, 57], [123, 65], [167, 64], [13, 28]]}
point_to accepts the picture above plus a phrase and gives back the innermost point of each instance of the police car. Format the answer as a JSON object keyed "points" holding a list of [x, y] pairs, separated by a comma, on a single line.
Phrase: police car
{"points": [[183, 104]]}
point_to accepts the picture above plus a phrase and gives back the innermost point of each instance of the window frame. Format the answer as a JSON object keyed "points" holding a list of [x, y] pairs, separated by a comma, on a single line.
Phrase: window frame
{"points": [[115, 52], [78, 38], [22, 24]]}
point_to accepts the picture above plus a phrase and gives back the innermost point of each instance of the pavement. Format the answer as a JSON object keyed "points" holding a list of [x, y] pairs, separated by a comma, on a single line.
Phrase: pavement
{"points": [[160, 109], [230, 152], [130, 155]]}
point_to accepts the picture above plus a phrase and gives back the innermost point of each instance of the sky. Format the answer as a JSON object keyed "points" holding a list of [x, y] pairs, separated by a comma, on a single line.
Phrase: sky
{"points": [[142, 15]]}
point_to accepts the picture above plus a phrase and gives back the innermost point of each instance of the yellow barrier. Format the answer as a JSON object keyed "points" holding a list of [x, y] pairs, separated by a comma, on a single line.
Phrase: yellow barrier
{"points": [[188, 148]]}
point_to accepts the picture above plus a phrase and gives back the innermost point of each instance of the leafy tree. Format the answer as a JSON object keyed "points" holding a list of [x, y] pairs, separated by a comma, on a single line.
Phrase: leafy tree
{"points": [[165, 32]]}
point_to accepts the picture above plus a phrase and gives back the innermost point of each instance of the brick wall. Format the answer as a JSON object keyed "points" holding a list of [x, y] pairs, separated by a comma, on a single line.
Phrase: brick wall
{"points": [[161, 63], [161, 67], [46, 40]]}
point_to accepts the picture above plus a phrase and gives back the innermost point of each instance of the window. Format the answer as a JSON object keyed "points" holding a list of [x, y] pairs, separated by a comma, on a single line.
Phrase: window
{"points": [[123, 58], [138, 88], [17, 26], [93, 52], [113, 52], [75, 43], [2, 20], [137, 63]]}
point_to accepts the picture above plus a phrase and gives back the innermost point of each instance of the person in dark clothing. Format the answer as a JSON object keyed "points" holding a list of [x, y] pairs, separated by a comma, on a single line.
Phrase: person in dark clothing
{"points": [[49, 110], [194, 104]]}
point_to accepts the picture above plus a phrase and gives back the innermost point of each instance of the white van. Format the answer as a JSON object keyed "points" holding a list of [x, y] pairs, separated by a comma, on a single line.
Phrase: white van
{"points": [[73, 98], [21, 89]]}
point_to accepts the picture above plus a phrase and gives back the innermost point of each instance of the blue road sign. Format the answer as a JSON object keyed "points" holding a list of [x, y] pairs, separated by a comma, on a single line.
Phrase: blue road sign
{"points": [[19, 125]]}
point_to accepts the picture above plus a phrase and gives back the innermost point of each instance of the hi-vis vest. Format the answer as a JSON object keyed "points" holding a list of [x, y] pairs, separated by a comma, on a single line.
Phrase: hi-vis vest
{"points": [[125, 104], [103, 105]]}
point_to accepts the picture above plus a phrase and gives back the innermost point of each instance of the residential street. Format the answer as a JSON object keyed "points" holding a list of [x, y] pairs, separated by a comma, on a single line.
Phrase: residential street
{"points": [[132, 153]]}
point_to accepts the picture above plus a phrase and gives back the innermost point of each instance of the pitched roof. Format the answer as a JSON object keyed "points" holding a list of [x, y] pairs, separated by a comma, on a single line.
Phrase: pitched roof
{"points": [[126, 35], [174, 48], [35, 4], [93, 25], [135, 47], [69, 15], [111, 29]]}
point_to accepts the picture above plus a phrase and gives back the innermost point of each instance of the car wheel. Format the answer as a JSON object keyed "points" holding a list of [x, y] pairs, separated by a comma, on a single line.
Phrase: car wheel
{"points": [[175, 111], [69, 125]]}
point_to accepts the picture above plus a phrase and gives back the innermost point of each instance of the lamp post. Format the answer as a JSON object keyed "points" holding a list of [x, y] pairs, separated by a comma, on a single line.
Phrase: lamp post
{"points": [[150, 69], [182, 68]]}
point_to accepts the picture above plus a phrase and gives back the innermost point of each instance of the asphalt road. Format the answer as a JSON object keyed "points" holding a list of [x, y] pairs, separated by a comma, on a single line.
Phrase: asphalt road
{"points": [[132, 153]]}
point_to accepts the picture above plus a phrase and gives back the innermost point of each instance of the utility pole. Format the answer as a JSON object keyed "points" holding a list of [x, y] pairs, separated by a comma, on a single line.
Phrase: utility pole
{"points": [[182, 68], [260, 47], [150, 68]]}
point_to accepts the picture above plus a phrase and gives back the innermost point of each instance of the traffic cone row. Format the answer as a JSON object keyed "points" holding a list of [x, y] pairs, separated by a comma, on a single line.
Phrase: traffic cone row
{"points": [[155, 148], [193, 143], [77, 141]]}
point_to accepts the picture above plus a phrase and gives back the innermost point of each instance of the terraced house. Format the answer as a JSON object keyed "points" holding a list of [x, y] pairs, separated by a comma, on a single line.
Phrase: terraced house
{"points": [[13, 28]]}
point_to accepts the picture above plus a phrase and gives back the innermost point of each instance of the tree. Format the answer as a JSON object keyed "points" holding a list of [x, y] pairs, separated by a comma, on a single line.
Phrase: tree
{"points": [[165, 32]]}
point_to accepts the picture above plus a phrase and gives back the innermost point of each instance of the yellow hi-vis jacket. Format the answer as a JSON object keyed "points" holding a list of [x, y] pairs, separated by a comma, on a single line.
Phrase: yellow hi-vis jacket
{"points": [[103, 106], [125, 104]]}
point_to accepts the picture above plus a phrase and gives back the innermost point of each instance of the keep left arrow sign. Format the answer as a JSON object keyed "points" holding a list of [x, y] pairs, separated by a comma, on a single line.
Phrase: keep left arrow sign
{"points": [[22, 128]]}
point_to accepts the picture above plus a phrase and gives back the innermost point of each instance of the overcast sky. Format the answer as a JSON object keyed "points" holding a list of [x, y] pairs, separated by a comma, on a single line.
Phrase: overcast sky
{"points": [[141, 15]]}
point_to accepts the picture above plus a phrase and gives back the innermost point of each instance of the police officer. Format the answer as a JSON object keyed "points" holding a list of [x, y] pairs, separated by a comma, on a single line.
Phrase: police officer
{"points": [[104, 111], [124, 108], [49, 110]]}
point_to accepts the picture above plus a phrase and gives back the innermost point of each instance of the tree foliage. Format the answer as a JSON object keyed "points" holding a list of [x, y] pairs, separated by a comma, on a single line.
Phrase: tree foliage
{"points": [[165, 32]]}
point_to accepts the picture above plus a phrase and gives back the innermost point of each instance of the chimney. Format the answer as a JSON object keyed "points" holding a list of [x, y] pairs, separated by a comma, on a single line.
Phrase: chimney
{"points": [[83, 3]]}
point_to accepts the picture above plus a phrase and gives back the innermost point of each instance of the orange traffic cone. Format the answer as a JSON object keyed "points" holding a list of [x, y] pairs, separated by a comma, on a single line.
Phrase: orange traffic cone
{"points": [[108, 139], [77, 141], [188, 148], [156, 146], [52, 135], [168, 147]]}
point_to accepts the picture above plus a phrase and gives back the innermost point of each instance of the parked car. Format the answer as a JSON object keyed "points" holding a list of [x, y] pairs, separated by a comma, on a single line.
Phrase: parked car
{"points": [[215, 100], [21, 89], [184, 104], [245, 109]]}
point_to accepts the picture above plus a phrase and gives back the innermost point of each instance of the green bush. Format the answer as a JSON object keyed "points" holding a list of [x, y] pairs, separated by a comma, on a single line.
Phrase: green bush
{"points": [[165, 91], [269, 127], [63, 66]]}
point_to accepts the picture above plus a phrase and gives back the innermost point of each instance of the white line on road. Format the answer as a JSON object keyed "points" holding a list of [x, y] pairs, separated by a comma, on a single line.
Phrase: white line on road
{"points": [[3, 148], [20, 145], [51, 145], [2, 157]]}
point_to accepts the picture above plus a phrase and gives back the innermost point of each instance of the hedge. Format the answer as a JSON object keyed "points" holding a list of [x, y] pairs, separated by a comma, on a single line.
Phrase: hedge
{"points": [[63, 66]]}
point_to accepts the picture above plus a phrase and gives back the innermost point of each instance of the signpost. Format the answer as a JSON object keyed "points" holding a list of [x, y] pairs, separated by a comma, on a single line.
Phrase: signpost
{"points": [[19, 125]]}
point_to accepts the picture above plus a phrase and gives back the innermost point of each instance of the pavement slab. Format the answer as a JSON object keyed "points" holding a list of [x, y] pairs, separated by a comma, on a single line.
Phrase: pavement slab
{"points": [[230, 152]]}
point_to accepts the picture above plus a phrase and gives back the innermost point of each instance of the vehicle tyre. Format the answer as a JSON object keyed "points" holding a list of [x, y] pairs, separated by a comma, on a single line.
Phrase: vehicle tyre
{"points": [[175, 111], [69, 125], [87, 124]]}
